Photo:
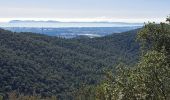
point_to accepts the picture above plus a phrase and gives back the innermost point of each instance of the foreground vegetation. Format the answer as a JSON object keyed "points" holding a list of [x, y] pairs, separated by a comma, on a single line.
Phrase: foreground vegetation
{"points": [[149, 79]]}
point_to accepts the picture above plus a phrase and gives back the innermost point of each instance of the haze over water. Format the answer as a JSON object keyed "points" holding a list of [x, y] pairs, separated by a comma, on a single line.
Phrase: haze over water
{"points": [[68, 24]]}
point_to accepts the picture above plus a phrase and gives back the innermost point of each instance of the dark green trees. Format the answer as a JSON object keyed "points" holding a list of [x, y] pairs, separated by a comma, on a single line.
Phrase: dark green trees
{"points": [[150, 78], [168, 19], [55, 66]]}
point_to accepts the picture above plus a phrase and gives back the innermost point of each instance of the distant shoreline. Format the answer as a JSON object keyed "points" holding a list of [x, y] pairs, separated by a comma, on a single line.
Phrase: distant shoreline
{"points": [[69, 24]]}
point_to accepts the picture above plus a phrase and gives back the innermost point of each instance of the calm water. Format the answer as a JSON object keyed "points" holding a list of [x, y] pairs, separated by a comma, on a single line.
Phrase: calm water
{"points": [[65, 24]]}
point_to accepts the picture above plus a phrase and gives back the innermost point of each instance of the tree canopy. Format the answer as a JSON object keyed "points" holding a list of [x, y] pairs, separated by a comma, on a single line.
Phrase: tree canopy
{"points": [[149, 79]]}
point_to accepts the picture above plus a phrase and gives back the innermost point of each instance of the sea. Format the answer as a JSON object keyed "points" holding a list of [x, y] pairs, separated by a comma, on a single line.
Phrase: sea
{"points": [[68, 24]]}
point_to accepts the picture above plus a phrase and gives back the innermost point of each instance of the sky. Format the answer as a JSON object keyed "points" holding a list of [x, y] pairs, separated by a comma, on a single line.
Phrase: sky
{"points": [[85, 10]]}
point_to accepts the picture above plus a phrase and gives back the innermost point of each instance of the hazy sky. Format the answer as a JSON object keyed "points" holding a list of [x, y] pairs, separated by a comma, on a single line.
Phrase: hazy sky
{"points": [[85, 10]]}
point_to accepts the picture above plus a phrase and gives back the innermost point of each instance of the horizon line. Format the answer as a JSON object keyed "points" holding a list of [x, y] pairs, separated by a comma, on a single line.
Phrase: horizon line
{"points": [[125, 20]]}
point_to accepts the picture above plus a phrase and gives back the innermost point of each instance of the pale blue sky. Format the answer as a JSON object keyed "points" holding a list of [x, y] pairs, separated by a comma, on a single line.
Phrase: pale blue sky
{"points": [[71, 10]]}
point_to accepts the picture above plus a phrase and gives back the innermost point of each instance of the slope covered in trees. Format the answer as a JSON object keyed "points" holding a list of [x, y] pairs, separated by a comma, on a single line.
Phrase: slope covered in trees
{"points": [[32, 63], [149, 79]]}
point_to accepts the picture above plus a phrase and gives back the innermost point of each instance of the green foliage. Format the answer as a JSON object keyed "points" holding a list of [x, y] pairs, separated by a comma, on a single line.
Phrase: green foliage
{"points": [[32, 63], [155, 74], [14, 96], [1, 97], [168, 19], [150, 78], [155, 36]]}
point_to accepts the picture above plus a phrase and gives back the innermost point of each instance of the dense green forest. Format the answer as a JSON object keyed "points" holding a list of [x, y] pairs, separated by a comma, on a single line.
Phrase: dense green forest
{"points": [[38, 64], [133, 65], [148, 79]]}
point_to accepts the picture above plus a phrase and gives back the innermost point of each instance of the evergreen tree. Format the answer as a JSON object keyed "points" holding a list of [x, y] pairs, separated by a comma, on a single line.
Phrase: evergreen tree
{"points": [[150, 78]]}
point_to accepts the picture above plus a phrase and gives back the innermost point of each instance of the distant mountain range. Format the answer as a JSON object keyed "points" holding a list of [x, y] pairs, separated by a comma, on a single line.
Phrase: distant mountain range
{"points": [[53, 21], [33, 21]]}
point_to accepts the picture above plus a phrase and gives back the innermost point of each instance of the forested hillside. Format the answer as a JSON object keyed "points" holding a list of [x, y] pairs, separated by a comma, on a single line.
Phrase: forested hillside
{"points": [[33, 63], [148, 79]]}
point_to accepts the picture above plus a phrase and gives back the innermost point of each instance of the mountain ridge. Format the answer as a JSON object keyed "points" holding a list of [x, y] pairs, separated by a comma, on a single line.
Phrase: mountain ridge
{"points": [[54, 21]]}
